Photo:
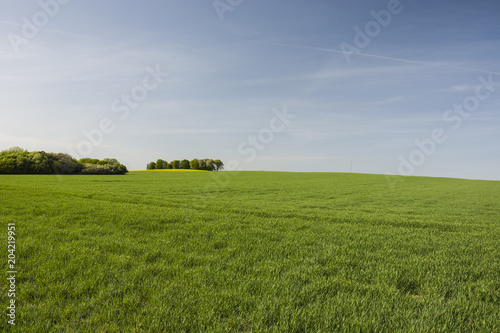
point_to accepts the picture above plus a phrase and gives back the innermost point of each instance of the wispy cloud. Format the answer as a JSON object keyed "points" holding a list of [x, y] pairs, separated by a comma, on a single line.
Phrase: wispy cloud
{"points": [[198, 131], [461, 88], [418, 62]]}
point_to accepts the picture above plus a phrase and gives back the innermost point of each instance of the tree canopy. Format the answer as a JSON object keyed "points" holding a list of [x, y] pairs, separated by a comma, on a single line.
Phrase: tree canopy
{"points": [[19, 161], [196, 164]]}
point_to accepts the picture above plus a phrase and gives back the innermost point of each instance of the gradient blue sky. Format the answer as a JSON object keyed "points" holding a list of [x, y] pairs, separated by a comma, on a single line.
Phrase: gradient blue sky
{"points": [[225, 78]]}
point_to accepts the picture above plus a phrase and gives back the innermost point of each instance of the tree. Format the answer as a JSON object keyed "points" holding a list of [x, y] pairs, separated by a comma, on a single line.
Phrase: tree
{"points": [[195, 164], [8, 164], [65, 164], [90, 161], [23, 164], [161, 164], [218, 165], [41, 163], [176, 164], [202, 164], [13, 150], [210, 164], [152, 166], [185, 164]]}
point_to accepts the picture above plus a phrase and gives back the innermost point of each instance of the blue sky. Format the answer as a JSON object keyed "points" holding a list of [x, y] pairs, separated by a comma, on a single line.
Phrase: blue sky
{"points": [[392, 106]]}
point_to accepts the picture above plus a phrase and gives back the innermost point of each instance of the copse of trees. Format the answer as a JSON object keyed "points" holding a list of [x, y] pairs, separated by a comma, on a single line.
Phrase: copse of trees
{"points": [[108, 166], [19, 161], [196, 164]]}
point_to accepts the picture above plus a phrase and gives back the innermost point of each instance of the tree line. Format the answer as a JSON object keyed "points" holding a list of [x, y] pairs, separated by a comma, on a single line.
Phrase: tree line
{"points": [[196, 164], [19, 161]]}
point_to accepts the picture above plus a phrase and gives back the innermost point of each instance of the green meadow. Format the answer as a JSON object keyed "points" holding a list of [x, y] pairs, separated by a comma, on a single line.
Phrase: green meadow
{"points": [[252, 252]]}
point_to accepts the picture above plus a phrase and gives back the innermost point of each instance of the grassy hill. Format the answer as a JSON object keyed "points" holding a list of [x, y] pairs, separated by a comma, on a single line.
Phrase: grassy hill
{"points": [[253, 252]]}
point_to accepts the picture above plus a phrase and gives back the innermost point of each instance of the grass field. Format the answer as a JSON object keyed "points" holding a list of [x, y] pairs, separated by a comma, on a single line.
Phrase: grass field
{"points": [[168, 170], [252, 252]]}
